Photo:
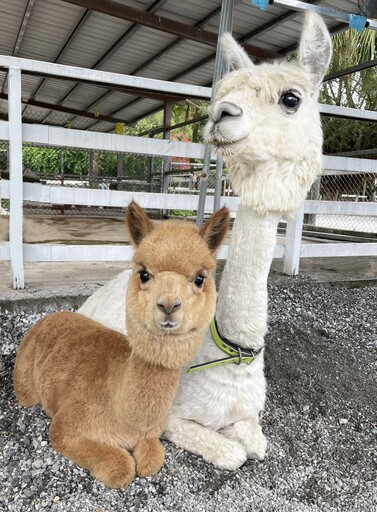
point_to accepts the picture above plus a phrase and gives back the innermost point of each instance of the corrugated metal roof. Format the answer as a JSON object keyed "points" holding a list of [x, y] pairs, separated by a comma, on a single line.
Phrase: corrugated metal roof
{"points": [[59, 31]]}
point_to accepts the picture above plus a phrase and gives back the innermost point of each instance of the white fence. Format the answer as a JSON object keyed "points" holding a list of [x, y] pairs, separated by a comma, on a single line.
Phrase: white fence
{"points": [[14, 190]]}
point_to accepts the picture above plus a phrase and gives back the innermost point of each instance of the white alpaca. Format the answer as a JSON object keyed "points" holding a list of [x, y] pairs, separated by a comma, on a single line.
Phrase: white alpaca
{"points": [[266, 125]]}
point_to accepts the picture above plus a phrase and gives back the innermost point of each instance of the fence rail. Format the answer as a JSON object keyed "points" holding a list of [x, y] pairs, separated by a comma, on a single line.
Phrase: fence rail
{"points": [[18, 133]]}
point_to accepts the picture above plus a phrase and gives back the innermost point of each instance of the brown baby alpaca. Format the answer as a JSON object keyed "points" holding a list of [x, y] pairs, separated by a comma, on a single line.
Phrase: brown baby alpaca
{"points": [[109, 395]]}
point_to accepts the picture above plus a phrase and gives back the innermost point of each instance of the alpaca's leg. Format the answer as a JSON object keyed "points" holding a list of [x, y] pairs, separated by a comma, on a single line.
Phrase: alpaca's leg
{"points": [[114, 466], [212, 446], [149, 455], [249, 434], [23, 380]]}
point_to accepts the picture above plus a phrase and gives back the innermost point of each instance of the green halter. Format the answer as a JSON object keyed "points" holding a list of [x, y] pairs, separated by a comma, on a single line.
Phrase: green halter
{"points": [[236, 354]]}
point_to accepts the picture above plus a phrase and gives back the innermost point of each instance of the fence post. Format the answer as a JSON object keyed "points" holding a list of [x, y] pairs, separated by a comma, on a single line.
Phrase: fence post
{"points": [[293, 243], [15, 179]]}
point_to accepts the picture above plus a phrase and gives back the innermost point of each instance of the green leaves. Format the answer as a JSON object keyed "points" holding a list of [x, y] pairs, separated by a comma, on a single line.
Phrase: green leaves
{"points": [[357, 90]]}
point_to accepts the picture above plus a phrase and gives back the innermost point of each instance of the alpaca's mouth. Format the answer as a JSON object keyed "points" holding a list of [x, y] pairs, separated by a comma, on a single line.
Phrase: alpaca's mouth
{"points": [[168, 326], [227, 147]]}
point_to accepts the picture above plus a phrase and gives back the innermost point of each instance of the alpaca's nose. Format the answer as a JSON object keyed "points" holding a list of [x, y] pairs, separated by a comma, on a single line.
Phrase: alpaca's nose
{"points": [[167, 306], [223, 110]]}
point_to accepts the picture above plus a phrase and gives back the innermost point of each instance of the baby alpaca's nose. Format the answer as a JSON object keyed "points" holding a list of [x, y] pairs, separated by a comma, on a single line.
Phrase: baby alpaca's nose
{"points": [[168, 306]]}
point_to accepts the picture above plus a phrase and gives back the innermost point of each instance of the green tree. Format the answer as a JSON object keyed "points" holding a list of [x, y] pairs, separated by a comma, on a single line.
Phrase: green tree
{"points": [[49, 160], [192, 109], [357, 90]]}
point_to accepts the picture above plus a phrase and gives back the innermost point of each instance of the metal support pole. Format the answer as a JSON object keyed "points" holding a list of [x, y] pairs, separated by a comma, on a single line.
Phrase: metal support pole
{"points": [[15, 180], [120, 157], [293, 243], [218, 183], [62, 167], [93, 169], [226, 24], [166, 163]]}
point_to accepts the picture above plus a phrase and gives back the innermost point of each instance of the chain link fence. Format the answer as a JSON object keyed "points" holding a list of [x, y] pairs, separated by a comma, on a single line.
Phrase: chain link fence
{"points": [[357, 187], [70, 167]]}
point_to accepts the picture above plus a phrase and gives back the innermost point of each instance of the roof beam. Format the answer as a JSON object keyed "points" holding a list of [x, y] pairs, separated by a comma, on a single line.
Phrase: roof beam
{"points": [[155, 6], [160, 129], [68, 110], [84, 18], [206, 60], [130, 32], [20, 35], [349, 71], [69, 40], [155, 22], [23, 26]]}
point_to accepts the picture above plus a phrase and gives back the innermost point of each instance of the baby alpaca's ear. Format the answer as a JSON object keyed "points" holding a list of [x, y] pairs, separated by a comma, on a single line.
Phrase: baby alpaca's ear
{"points": [[138, 223], [216, 228]]}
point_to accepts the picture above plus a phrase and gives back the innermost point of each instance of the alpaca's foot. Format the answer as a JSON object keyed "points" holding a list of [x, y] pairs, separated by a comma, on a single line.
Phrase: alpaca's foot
{"points": [[149, 456], [229, 455], [27, 399], [249, 434], [116, 472], [114, 466], [212, 446]]}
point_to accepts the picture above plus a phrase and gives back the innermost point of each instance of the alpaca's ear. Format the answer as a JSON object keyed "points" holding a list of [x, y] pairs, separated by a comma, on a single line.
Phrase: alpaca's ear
{"points": [[234, 53], [138, 223], [315, 47], [216, 228]]}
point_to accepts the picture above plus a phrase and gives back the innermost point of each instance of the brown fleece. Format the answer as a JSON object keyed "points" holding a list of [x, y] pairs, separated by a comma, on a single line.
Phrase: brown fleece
{"points": [[109, 395]]}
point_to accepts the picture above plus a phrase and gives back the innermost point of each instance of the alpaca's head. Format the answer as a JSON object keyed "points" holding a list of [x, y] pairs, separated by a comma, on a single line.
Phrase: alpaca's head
{"points": [[265, 121], [171, 292]]}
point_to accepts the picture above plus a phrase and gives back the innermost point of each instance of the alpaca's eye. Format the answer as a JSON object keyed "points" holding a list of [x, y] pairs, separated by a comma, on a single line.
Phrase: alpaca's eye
{"points": [[290, 100], [144, 276], [199, 280]]}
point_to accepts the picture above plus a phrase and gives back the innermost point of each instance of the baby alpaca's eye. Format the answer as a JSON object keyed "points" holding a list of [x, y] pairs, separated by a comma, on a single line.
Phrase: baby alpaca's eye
{"points": [[199, 280], [144, 276], [290, 100]]}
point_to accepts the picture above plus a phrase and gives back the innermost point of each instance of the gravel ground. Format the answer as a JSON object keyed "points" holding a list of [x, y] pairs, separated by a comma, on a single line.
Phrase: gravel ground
{"points": [[320, 420]]}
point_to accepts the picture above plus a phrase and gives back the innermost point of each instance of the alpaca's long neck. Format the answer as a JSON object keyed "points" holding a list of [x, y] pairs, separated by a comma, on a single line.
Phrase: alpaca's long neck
{"points": [[241, 311]]}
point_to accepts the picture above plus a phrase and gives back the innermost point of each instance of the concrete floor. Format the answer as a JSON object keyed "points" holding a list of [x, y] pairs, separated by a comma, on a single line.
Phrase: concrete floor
{"points": [[328, 270], [62, 285], [55, 285]]}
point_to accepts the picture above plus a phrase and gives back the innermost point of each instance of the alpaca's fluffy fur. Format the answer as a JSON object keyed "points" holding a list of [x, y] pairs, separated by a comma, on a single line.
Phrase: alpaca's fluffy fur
{"points": [[108, 395], [273, 153]]}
